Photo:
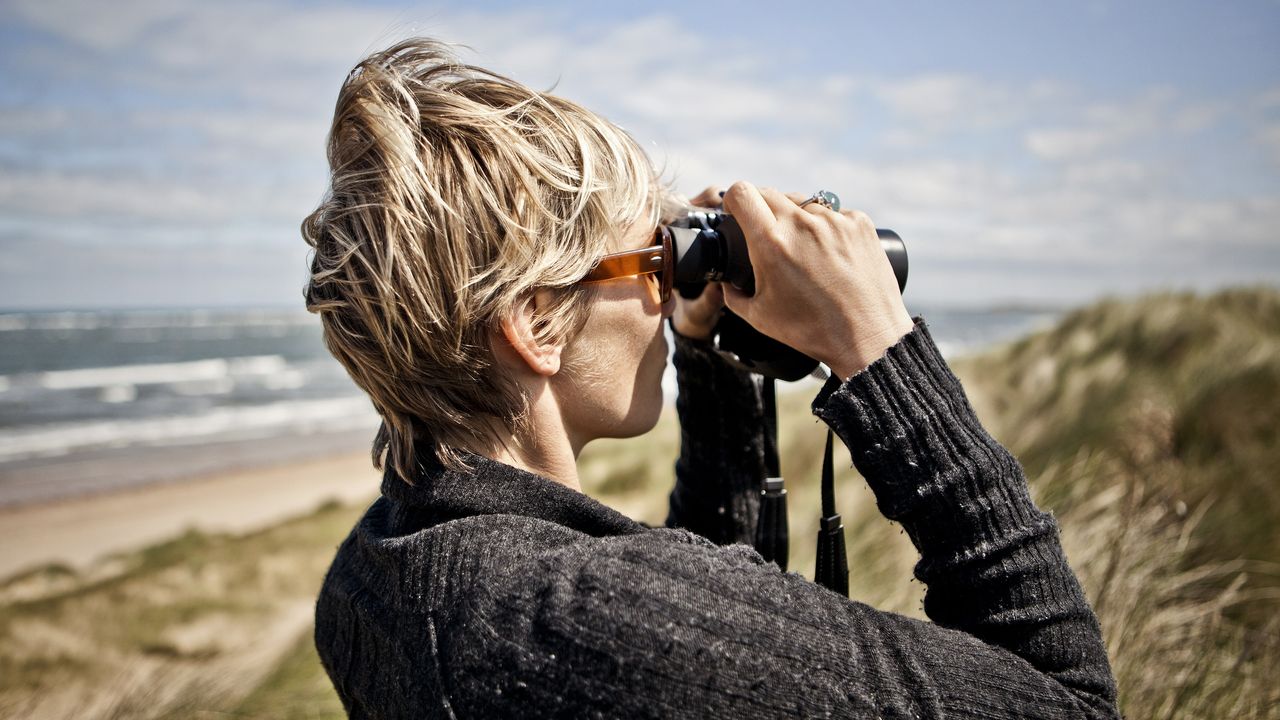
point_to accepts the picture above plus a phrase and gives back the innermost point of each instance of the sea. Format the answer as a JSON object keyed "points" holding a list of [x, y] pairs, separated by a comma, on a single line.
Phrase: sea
{"points": [[95, 401]]}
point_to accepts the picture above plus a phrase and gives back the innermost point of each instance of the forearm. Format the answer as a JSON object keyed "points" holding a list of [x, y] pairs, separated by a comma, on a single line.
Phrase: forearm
{"points": [[990, 558], [721, 464]]}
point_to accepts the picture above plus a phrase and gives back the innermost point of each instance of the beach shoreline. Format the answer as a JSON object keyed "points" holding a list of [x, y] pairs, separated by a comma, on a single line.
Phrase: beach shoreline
{"points": [[82, 530]]}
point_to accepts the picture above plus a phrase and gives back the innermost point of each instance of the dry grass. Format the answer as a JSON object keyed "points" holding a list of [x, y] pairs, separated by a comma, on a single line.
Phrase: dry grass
{"points": [[1149, 428], [1152, 429], [189, 626], [1187, 639]]}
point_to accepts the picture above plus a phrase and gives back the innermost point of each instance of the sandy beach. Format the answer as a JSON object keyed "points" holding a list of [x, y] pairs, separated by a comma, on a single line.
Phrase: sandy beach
{"points": [[79, 530]]}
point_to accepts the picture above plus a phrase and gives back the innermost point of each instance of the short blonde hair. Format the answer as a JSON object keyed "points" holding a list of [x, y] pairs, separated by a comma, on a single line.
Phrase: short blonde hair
{"points": [[455, 193]]}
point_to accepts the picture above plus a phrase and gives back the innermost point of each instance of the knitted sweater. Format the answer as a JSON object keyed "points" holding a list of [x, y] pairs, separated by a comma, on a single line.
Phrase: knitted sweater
{"points": [[498, 593]]}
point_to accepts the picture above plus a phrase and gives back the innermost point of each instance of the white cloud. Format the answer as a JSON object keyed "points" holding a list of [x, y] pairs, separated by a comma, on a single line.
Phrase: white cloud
{"points": [[61, 273], [135, 201], [1105, 173], [974, 172], [53, 195], [1196, 117], [23, 121], [1095, 127], [1268, 137], [941, 98], [100, 26], [1267, 99], [1069, 143]]}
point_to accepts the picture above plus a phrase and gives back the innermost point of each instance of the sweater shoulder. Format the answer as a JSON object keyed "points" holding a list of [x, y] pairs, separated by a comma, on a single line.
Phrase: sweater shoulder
{"points": [[658, 624]]}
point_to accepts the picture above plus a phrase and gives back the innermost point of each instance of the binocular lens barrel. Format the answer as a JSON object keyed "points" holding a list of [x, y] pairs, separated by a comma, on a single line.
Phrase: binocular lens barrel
{"points": [[710, 247]]}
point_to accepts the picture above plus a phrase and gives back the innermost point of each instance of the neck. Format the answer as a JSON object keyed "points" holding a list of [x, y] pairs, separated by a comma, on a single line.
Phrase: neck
{"points": [[544, 446]]}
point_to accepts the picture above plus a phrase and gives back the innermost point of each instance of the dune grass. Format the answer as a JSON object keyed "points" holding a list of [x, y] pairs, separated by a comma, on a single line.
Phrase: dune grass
{"points": [[1148, 427], [171, 631], [1184, 384], [1152, 429]]}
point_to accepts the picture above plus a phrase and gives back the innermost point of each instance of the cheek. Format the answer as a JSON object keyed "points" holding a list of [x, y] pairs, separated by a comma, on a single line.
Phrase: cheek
{"points": [[651, 346], [624, 333], [632, 332]]}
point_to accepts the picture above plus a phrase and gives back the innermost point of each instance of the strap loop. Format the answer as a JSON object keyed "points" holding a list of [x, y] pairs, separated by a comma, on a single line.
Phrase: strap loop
{"points": [[772, 539], [832, 567]]}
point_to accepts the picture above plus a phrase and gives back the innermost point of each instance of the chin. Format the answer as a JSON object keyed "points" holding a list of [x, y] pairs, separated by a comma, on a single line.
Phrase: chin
{"points": [[640, 420], [655, 412], [641, 415]]}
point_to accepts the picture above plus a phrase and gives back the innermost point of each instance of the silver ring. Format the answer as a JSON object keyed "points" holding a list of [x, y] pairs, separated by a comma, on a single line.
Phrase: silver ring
{"points": [[825, 198]]}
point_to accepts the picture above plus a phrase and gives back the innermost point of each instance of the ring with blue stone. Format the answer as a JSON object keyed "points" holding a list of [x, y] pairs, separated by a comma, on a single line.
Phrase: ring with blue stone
{"points": [[825, 198]]}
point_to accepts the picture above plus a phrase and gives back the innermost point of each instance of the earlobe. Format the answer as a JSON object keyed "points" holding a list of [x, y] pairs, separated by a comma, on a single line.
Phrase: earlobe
{"points": [[542, 358]]}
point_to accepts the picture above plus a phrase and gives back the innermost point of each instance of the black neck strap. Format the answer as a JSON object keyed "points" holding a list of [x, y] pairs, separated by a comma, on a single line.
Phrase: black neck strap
{"points": [[772, 536], [831, 569]]}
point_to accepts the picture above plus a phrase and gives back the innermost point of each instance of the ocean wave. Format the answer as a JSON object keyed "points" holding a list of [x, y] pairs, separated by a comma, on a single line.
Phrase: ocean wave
{"points": [[193, 371], [288, 417], [147, 319]]}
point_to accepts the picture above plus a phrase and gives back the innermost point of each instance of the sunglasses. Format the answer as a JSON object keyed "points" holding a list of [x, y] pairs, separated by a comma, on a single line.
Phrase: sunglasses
{"points": [[658, 259]]}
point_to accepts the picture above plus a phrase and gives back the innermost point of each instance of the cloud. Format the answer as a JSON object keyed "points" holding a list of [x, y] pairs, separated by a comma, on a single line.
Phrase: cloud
{"points": [[54, 273], [158, 128], [951, 100], [1098, 126], [1268, 137], [1267, 99], [98, 26], [1067, 143], [1197, 117]]}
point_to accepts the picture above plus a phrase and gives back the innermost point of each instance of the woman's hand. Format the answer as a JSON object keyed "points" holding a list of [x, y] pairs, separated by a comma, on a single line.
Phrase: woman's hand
{"points": [[824, 285], [697, 318]]}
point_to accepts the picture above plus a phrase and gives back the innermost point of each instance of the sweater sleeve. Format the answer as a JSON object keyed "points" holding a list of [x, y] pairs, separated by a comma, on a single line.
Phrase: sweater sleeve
{"points": [[664, 624], [990, 559], [720, 470]]}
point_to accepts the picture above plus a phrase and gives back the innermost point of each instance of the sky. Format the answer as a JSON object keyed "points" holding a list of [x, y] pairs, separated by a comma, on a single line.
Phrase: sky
{"points": [[163, 154]]}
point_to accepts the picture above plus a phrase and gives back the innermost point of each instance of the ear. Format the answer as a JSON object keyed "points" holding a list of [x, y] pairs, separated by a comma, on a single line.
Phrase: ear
{"points": [[543, 358]]}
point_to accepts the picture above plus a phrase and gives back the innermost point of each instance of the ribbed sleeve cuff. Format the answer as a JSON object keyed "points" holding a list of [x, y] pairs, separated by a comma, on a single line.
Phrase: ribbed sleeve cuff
{"points": [[914, 437]]}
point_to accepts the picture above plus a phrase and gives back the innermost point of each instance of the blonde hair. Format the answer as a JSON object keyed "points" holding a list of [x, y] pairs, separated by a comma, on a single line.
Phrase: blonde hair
{"points": [[455, 193]]}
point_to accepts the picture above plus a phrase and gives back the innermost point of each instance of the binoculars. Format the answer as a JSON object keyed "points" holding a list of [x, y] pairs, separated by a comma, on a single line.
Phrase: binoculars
{"points": [[709, 247]]}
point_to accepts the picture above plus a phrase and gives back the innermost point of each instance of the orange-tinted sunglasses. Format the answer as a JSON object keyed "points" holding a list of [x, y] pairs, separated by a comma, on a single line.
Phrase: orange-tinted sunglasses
{"points": [[658, 258]]}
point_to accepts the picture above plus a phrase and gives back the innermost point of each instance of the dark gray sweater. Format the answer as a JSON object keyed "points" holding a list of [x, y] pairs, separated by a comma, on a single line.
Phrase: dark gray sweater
{"points": [[499, 593]]}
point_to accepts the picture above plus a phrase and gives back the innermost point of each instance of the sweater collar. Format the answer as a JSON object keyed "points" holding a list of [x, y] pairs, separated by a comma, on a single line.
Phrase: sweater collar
{"points": [[490, 487]]}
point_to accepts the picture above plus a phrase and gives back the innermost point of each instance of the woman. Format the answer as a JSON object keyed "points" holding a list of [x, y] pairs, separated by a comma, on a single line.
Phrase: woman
{"points": [[466, 212]]}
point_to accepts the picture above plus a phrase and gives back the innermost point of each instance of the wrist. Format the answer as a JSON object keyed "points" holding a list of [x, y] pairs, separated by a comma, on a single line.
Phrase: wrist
{"points": [[868, 346]]}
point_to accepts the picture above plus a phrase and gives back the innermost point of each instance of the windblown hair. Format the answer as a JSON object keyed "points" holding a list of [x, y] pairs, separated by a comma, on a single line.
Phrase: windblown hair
{"points": [[455, 193]]}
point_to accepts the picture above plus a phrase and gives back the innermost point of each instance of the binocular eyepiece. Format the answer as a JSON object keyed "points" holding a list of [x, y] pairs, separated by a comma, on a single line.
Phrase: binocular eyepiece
{"points": [[710, 247]]}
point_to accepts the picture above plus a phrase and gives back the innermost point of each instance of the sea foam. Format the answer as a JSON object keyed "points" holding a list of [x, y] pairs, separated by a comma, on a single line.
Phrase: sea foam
{"points": [[162, 373], [300, 417]]}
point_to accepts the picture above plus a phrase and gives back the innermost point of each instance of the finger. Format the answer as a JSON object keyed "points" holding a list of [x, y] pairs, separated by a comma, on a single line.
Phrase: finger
{"points": [[860, 219], [812, 208], [745, 203], [780, 204], [857, 216], [708, 198]]}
